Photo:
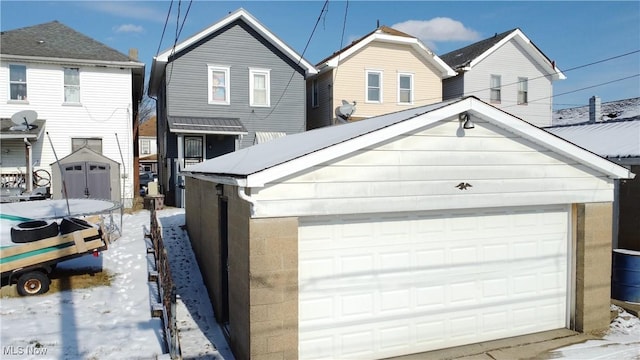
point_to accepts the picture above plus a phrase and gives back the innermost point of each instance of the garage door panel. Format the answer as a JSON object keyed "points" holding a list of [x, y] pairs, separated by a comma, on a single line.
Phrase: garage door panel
{"points": [[427, 281]]}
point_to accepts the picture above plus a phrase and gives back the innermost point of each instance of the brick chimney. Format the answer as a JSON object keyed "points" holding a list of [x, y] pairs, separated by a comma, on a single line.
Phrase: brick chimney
{"points": [[595, 113], [133, 54]]}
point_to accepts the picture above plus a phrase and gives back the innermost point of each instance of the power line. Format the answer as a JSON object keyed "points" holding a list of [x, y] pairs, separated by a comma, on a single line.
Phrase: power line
{"points": [[344, 25], [542, 76], [293, 73], [166, 21]]}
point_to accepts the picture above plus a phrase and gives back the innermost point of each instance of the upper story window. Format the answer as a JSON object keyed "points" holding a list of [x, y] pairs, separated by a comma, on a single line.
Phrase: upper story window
{"points": [[405, 88], [314, 93], [219, 85], [94, 144], [523, 91], [259, 87], [374, 86], [496, 88], [71, 85], [145, 147], [18, 82]]}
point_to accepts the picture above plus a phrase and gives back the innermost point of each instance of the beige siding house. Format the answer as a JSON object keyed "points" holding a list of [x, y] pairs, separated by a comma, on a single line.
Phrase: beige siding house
{"points": [[384, 71], [366, 240]]}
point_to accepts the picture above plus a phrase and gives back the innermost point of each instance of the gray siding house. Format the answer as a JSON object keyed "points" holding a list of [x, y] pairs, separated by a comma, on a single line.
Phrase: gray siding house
{"points": [[508, 71], [225, 88]]}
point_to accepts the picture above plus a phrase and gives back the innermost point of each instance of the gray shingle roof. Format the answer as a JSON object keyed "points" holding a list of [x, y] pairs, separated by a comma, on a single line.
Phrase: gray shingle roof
{"points": [[463, 56], [208, 125], [56, 40]]}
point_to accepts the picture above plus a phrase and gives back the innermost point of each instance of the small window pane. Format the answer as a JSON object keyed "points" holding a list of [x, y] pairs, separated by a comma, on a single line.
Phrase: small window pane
{"points": [[523, 90], [219, 88], [405, 89], [72, 85], [496, 84], [373, 87], [93, 144]]}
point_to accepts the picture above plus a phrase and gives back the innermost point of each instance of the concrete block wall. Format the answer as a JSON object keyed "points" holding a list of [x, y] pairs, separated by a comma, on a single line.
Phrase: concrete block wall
{"points": [[273, 268], [593, 229]]}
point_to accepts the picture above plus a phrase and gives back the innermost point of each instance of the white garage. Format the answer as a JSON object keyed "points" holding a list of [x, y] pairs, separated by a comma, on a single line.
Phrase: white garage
{"points": [[394, 284], [404, 233]]}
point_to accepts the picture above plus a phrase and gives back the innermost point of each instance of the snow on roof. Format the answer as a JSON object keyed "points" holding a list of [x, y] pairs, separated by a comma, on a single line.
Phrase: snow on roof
{"points": [[277, 151], [612, 139], [611, 110], [257, 165]]}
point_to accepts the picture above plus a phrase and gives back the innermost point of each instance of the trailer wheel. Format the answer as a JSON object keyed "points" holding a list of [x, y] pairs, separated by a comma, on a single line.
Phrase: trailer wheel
{"points": [[29, 231], [33, 283]]}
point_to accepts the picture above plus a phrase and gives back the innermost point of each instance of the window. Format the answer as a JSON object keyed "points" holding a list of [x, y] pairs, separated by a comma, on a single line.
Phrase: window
{"points": [[496, 84], [72, 85], [259, 87], [374, 86], [94, 144], [219, 85], [523, 91], [405, 88], [192, 150], [18, 82], [314, 93], [146, 146]]}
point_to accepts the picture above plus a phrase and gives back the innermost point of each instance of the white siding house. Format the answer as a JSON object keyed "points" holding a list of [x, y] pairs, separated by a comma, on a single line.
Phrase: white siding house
{"points": [[507, 71], [84, 94]]}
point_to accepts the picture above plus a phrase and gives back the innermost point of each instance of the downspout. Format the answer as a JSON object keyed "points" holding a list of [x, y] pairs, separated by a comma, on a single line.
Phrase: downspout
{"points": [[29, 174], [247, 198]]}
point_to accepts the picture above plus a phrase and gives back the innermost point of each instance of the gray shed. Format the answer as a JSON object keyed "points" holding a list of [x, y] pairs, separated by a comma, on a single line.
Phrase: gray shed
{"points": [[87, 174]]}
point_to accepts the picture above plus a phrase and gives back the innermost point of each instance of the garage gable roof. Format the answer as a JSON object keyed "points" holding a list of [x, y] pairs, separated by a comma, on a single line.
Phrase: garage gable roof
{"points": [[259, 164]]}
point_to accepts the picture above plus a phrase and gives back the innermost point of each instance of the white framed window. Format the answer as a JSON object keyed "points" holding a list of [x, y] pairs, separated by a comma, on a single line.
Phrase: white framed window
{"points": [[94, 144], [219, 85], [314, 93], [17, 82], [145, 147], [259, 87], [72, 85], [405, 88], [523, 91], [374, 86], [496, 88]]}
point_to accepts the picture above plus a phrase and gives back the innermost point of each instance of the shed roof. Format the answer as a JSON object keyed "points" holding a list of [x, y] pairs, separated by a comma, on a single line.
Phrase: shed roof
{"points": [[465, 58], [611, 139], [206, 125], [256, 165]]}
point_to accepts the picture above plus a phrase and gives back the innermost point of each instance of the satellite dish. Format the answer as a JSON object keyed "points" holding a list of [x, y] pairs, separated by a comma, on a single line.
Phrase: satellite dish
{"points": [[345, 111], [24, 120]]}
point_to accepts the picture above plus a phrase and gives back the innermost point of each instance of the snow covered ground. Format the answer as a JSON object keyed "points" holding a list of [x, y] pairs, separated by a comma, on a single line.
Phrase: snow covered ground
{"points": [[115, 322]]}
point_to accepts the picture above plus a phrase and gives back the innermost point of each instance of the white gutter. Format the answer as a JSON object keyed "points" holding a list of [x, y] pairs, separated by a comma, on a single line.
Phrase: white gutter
{"points": [[247, 198]]}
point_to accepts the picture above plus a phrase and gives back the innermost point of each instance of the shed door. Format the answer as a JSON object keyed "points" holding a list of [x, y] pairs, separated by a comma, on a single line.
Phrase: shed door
{"points": [[386, 285], [87, 180]]}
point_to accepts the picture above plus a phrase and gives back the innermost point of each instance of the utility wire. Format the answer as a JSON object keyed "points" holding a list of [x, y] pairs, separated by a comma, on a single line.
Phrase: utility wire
{"points": [[324, 7], [542, 76], [166, 21], [344, 25]]}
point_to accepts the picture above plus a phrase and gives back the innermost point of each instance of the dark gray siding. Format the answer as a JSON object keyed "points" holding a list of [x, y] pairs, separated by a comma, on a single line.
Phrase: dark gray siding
{"points": [[453, 87], [240, 48]]}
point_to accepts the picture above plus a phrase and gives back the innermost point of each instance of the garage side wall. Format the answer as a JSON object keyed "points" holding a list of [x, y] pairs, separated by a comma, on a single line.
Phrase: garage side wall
{"points": [[593, 234], [201, 218], [273, 269]]}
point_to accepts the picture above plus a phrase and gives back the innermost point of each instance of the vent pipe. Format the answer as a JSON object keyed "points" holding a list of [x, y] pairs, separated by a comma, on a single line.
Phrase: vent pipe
{"points": [[595, 109]]}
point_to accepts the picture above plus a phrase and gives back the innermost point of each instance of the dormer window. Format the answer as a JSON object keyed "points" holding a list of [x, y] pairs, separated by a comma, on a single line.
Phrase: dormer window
{"points": [[18, 82]]}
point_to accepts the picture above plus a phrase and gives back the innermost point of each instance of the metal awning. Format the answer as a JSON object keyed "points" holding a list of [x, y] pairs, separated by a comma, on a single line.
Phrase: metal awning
{"points": [[206, 125], [264, 136]]}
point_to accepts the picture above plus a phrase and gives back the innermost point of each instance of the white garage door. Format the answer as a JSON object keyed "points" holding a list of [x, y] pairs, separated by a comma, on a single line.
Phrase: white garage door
{"points": [[387, 285]]}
